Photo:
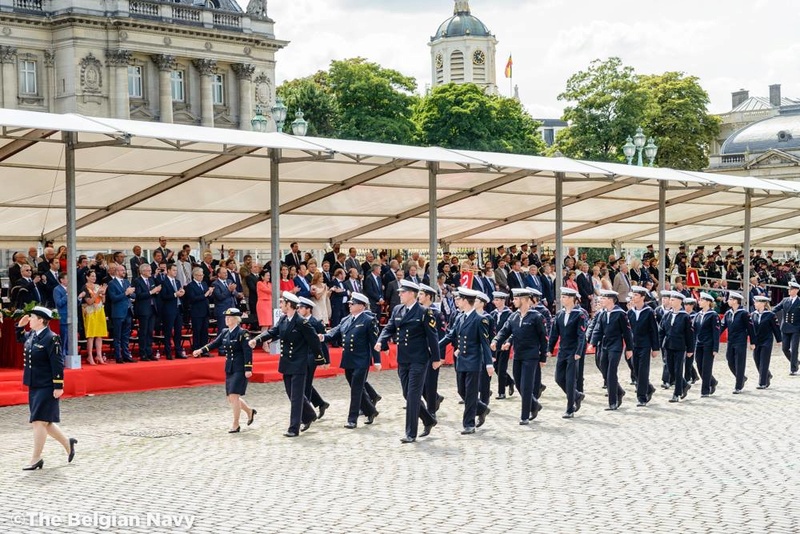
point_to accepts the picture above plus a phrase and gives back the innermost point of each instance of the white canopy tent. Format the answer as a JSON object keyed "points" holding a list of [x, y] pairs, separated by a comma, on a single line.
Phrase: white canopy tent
{"points": [[125, 182]]}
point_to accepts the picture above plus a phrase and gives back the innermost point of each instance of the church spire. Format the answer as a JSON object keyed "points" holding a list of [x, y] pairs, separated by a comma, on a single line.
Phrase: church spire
{"points": [[462, 6]]}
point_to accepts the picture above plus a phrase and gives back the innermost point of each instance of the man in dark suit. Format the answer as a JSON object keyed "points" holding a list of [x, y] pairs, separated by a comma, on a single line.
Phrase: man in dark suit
{"points": [[373, 289], [136, 260], [516, 278], [338, 299], [417, 348], [352, 261], [353, 284], [14, 270], [302, 283], [208, 265], [327, 274], [49, 282], [120, 295], [294, 257], [196, 297], [533, 280], [331, 255], [585, 287], [27, 289], [144, 308], [171, 293], [223, 297], [166, 253]]}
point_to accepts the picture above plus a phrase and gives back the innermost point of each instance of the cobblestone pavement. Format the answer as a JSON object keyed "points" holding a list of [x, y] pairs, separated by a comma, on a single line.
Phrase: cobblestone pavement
{"points": [[724, 464]]}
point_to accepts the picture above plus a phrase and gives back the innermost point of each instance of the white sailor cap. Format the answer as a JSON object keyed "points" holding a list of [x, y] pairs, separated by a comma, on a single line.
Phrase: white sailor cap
{"points": [[534, 292], [408, 285], [677, 295], [707, 296], [467, 292], [569, 291], [483, 296], [42, 312], [761, 298], [639, 289], [427, 289], [291, 297], [689, 300], [520, 292], [735, 295], [306, 302], [359, 298], [608, 293], [499, 295], [794, 285]]}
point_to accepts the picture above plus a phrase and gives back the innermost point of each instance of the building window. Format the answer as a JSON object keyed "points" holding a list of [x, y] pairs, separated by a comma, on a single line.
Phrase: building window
{"points": [[218, 89], [178, 84], [27, 77], [457, 67], [135, 85]]}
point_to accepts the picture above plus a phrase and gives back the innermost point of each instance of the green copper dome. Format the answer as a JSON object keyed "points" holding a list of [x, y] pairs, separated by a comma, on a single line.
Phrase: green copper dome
{"points": [[461, 24]]}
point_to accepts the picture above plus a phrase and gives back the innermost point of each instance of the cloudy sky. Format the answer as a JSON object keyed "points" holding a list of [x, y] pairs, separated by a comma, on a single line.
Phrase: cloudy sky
{"points": [[728, 44]]}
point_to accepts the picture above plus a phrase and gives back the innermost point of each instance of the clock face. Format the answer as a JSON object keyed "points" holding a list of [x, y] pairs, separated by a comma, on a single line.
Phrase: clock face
{"points": [[439, 61], [479, 57]]}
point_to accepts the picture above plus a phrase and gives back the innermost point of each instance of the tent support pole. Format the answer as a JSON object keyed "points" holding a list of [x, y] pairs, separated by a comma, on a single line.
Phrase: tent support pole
{"points": [[558, 268], [275, 226], [433, 168], [73, 361], [662, 235], [748, 201]]}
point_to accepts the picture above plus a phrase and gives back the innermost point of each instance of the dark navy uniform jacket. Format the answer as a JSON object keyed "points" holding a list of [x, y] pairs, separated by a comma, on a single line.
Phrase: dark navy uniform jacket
{"points": [[43, 361], [297, 339], [765, 326], [415, 331], [324, 358], [548, 317], [238, 354], [644, 328], [572, 335], [528, 335], [739, 327], [500, 319], [471, 338], [358, 336], [791, 315], [612, 330], [706, 330], [676, 332]]}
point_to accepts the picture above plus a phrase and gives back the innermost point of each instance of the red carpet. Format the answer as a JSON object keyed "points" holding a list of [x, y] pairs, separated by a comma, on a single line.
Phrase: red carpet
{"points": [[164, 374]]}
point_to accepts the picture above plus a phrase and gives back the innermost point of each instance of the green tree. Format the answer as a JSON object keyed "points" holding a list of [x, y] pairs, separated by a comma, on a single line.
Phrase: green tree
{"points": [[375, 103], [318, 105], [464, 116], [606, 106], [676, 115]]}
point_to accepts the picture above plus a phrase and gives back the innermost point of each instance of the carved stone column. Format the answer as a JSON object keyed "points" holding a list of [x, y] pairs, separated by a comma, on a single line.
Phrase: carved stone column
{"points": [[8, 56], [166, 64], [207, 68], [50, 95], [244, 73], [118, 61]]}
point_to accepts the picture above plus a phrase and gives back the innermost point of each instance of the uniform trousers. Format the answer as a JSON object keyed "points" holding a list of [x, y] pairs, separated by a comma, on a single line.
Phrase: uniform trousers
{"points": [[609, 359], [737, 360], [310, 391], [501, 369], [761, 355], [666, 371], [704, 357], [359, 400], [371, 393], [523, 375], [459, 379], [473, 406], [690, 373], [566, 378], [641, 362], [145, 333], [579, 371], [789, 348], [675, 363], [431, 390], [537, 380], [301, 410], [412, 380], [485, 386]]}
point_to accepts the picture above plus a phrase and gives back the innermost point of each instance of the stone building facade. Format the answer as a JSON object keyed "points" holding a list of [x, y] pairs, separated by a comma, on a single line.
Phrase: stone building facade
{"points": [[202, 62]]}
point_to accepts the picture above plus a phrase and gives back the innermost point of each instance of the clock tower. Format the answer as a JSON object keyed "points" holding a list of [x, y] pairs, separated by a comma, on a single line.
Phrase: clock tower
{"points": [[463, 50]]}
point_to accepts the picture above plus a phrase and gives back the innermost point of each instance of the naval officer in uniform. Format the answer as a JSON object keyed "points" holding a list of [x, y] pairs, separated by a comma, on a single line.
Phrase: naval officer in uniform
{"points": [[644, 329], [611, 330], [790, 325], [238, 364], [44, 375], [569, 327]]}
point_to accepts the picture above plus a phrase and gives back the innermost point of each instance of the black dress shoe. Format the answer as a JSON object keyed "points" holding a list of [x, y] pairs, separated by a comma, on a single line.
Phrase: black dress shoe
{"points": [[641, 404], [713, 388], [234, 431], [761, 387], [664, 385], [482, 418], [253, 413], [290, 434], [578, 400], [439, 400], [619, 398], [612, 408], [650, 391], [568, 415], [305, 426], [72, 443], [371, 418], [675, 398], [737, 391], [511, 389], [501, 396], [350, 425], [541, 389], [537, 407], [427, 428], [170, 357], [407, 439], [524, 422], [322, 409], [686, 390], [34, 467], [461, 401], [468, 430], [377, 399], [120, 361], [129, 360], [705, 395]]}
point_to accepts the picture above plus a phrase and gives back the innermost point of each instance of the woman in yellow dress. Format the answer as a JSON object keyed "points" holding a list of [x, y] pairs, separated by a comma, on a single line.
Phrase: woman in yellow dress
{"points": [[94, 317]]}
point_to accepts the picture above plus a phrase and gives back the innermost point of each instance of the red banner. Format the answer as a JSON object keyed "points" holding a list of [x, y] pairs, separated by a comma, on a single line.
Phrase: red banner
{"points": [[466, 279], [692, 278]]}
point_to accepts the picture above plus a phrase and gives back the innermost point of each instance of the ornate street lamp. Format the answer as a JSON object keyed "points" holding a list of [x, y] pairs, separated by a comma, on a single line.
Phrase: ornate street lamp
{"points": [[279, 114], [636, 145], [300, 125], [639, 140], [629, 149], [650, 151], [259, 123]]}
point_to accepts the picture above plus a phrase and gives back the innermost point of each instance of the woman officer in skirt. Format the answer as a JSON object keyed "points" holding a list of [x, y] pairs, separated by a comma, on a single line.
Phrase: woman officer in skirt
{"points": [[44, 376], [238, 364]]}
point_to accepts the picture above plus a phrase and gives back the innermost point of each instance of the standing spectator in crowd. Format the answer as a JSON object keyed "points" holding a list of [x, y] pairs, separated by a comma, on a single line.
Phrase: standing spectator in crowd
{"points": [[622, 285], [101, 268], [171, 317], [331, 256], [136, 260], [597, 285], [391, 295], [83, 270], [264, 303], [251, 292], [49, 282], [184, 274], [62, 306], [144, 309], [340, 260], [286, 283], [366, 267], [412, 274], [353, 284], [293, 258], [319, 296], [585, 287], [302, 285], [158, 260], [327, 275], [48, 255], [27, 289], [94, 317], [234, 278], [61, 256], [569, 281], [338, 298], [209, 266], [166, 253], [120, 295], [352, 262], [187, 250], [373, 289], [33, 258], [196, 297], [224, 296], [14, 271]]}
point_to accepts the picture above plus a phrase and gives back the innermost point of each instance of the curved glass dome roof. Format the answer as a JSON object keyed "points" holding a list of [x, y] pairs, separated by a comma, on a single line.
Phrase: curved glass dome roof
{"points": [[461, 24], [781, 133]]}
